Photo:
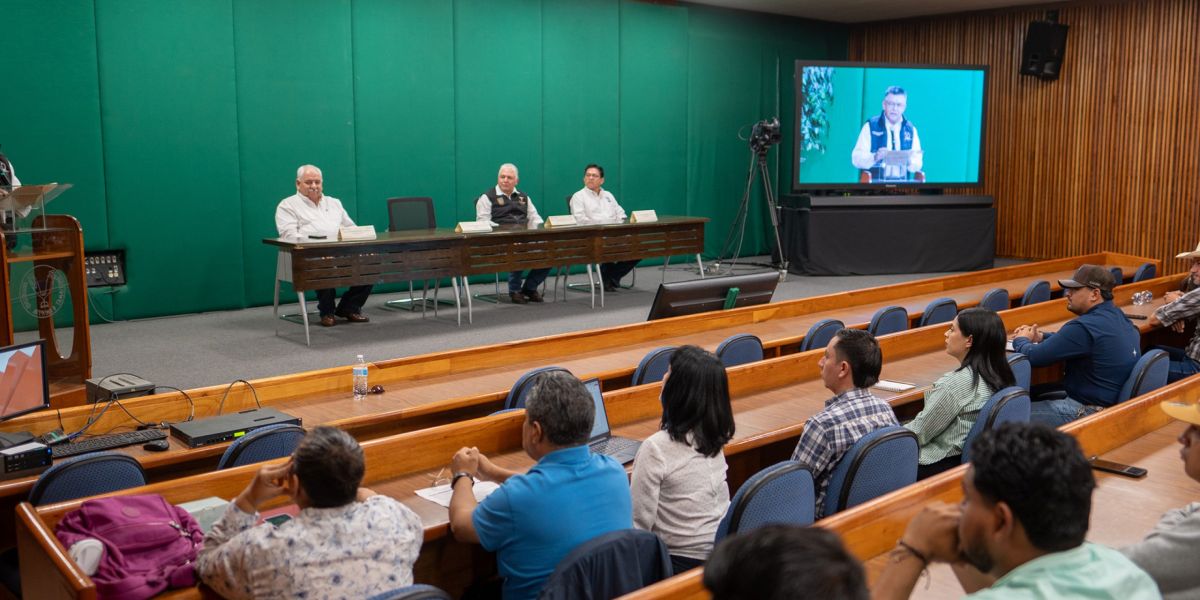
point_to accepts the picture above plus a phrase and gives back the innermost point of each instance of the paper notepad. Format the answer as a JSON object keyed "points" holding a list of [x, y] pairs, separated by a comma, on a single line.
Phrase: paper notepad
{"points": [[440, 494], [893, 386]]}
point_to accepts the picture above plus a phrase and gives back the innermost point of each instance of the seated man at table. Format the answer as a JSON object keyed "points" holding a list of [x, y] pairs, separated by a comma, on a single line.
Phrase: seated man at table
{"points": [[1019, 531], [850, 366], [346, 542], [307, 213], [506, 205], [1099, 349], [1169, 552], [783, 562], [569, 497], [594, 205], [1181, 307]]}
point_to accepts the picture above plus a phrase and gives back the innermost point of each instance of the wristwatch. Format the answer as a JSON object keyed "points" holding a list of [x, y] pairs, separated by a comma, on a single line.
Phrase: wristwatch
{"points": [[454, 480]]}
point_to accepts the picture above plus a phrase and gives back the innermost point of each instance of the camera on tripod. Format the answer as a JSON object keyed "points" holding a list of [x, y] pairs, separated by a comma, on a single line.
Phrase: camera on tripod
{"points": [[765, 134]]}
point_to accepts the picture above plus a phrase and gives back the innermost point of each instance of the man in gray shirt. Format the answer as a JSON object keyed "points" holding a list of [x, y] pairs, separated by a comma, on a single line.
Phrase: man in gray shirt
{"points": [[1169, 551]]}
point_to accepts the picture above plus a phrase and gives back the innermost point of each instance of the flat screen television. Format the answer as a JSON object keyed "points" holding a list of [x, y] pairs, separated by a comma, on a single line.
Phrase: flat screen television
{"points": [[23, 384], [879, 125], [704, 295]]}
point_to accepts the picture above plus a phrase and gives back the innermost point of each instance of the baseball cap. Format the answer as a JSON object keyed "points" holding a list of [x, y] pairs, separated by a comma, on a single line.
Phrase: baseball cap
{"points": [[1089, 276], [1193, 254], [1188, 412]]}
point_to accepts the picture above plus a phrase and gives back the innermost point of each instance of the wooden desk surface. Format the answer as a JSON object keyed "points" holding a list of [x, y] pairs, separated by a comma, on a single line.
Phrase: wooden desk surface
{"points": [[772, 399]]}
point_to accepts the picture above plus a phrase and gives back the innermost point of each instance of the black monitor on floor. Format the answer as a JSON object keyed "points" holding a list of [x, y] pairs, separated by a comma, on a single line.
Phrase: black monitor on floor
{"points": [[703, 295]]}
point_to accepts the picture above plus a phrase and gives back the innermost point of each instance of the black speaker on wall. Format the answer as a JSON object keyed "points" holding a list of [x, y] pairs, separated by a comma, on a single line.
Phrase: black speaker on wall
{"points": [[1045, 46]]}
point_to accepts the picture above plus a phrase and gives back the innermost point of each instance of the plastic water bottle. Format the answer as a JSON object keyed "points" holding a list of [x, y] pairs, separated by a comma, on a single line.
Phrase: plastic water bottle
{"points": [[360, 379]]}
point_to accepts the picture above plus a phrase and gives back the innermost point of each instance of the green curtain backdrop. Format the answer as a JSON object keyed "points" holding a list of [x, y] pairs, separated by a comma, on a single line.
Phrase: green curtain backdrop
{"points": [[181, 122]]}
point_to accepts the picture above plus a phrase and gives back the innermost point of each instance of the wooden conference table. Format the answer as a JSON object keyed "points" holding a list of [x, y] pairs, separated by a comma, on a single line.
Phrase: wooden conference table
{"points": [[423, 254], [439, 388], [1124, 510], [772, 399]]}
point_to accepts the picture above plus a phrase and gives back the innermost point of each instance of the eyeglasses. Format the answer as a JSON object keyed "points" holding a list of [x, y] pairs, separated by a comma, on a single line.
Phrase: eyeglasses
{"points": [[440, 479]]}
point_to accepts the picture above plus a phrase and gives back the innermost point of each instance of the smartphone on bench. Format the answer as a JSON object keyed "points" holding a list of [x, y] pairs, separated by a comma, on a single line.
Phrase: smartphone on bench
{"points": [[1114, 467]]}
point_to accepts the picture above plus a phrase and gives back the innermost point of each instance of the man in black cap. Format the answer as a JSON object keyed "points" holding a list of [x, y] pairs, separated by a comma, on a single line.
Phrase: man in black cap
{"points": [[1100, 348]]}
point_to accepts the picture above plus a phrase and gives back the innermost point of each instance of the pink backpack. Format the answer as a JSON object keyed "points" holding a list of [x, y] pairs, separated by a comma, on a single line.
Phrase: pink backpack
{"points": [[149, 545]]}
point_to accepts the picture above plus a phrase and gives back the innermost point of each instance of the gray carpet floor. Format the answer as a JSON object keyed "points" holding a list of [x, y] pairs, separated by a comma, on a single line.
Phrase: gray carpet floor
{"points": [[205, 349]]}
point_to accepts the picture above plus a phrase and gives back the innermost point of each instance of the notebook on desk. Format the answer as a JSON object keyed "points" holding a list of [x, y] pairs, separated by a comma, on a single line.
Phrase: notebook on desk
{"points": [[602, 441]]}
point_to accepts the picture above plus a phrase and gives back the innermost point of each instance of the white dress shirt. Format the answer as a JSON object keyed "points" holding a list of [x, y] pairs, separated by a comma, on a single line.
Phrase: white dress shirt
{"points": [[298, 216], [483, 209], [590, 208]]}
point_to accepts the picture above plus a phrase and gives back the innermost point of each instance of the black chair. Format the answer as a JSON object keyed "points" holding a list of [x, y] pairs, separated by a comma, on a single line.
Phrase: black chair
{"points": [[610, 565], [942, 310], [1021, 368], [1038, 291], [889, 319], [820, 333], [1145, 271], [88, 475], [1118, 275], [407, 214], [653, 366], [996, 299], [780, 493], [878, 463], [1010, 404], [520, 389], [740, 349]]}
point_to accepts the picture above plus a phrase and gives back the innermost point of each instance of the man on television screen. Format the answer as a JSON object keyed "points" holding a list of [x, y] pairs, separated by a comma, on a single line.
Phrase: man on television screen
{"points": [[888, 147]]}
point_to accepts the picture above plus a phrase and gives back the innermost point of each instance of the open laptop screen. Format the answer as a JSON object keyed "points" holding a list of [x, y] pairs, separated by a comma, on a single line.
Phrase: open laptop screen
{"points": [[600, 428]]}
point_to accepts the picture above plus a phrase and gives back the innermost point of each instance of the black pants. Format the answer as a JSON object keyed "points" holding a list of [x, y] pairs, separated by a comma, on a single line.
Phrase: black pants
{"points": [[945, 464], [614, 271], [683, 563], [352, 301]]}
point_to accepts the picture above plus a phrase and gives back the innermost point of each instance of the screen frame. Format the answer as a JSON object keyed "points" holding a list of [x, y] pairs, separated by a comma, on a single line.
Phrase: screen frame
{"points": [[798, 187], [754, 284], [41, 344], [601, 410]]}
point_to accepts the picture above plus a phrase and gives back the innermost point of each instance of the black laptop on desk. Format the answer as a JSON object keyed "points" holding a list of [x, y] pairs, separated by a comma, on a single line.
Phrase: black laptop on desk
{"points": [[602, 441]]}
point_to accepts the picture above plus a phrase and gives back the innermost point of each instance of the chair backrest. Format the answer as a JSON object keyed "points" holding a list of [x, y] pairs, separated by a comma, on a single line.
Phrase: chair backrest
{"points": [[418, 591], [780, 493], [87, 475], [740, 349], [942, 310], [1022, 369], [820, 333], [410, 213], [520, 389], [1038, 291], [653, 366], [1145, 271], [610, 565], [1010, 404], [1148, 374], [889, 319], [996, 299], [267, 443], [1118, 275], [879, 462]]}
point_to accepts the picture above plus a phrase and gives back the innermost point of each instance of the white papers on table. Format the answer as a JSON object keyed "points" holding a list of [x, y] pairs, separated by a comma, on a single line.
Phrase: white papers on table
{"points": [[893, 386], [440, 494]]}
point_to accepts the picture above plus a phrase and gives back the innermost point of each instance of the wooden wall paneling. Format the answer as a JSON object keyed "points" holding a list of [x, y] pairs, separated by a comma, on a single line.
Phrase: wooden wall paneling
{"points": [[1095, 160]]}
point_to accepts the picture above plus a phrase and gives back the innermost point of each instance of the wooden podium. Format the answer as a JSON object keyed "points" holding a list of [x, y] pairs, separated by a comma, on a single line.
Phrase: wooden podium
{"points": [[52, 246]]}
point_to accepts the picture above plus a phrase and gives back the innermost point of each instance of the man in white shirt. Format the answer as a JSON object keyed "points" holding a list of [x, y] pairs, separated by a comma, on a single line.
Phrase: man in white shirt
{"points": [[594, 205], [887, 132], [505, 205], [310, 214]]}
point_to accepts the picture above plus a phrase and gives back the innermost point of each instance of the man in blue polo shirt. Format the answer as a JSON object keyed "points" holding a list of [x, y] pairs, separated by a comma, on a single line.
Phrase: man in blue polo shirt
{"points": [[1100, 348], [569, 497]]}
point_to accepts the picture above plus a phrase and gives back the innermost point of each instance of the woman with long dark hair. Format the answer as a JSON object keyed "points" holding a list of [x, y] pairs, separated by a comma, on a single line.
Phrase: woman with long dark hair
{"points": [[678, 485], [976, 337]]}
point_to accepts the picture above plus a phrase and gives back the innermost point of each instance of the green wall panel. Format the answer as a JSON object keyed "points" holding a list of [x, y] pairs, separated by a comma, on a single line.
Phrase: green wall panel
{"points": [[580, 97], [182, 122], [170, 146], [404, 106], [498, 101], [295, 104], [654, 107]]}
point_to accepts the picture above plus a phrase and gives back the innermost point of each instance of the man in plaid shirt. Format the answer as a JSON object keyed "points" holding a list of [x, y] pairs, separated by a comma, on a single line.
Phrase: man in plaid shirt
{"points": [[851, 365], [1179, 308]]}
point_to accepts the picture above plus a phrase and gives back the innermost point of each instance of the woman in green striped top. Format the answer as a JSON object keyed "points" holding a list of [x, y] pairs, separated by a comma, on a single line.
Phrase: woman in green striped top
{"points": [[976, 338]]}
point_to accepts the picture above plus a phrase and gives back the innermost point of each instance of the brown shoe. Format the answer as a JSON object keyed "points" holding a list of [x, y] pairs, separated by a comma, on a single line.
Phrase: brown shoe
{"points": [[534, 296], [517, 298], [328, 321], [355, 318]]}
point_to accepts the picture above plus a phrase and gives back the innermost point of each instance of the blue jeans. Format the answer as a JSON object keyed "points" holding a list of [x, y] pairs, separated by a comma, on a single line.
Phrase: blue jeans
{"points": [[1059, 411], [1182, 365]]}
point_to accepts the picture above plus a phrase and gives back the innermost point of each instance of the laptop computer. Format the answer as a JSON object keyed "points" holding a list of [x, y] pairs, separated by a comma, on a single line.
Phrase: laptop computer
{"points": [[602, 441]]}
